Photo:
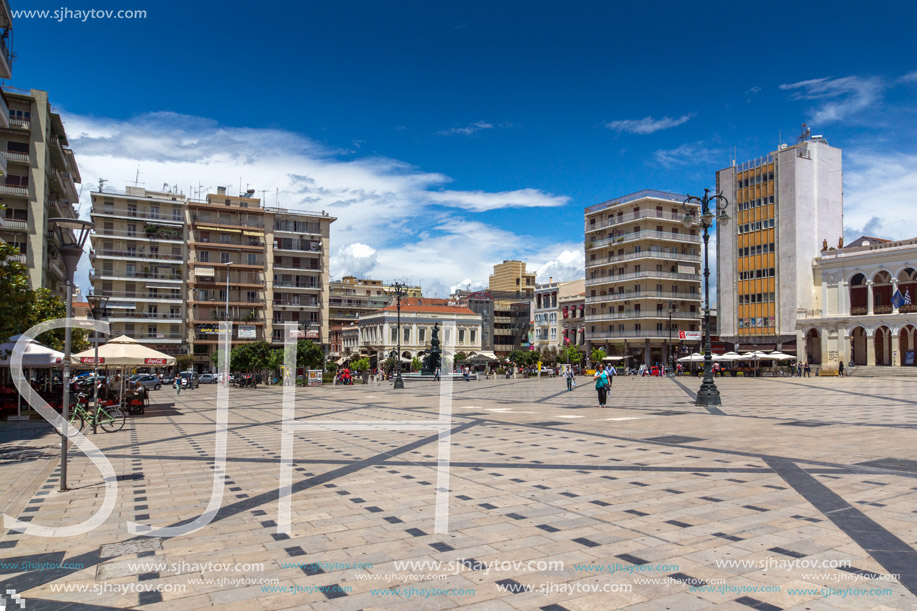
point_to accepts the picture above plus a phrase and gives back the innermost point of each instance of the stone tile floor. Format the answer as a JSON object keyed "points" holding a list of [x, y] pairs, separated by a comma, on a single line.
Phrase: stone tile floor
{"points": [[652, 503]]}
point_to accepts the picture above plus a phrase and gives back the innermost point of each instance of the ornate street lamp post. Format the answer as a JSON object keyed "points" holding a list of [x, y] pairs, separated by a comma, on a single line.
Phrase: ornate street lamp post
{"points": [[71, 235], [399, 289], [97, 303], [712, 208]]}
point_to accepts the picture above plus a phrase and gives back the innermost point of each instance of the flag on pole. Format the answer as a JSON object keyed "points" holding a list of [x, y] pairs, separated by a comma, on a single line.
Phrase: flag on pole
{"points": [[907, 296], [898, 300]]}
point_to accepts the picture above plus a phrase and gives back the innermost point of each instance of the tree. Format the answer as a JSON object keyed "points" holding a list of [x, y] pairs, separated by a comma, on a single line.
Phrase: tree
{"points": [[252, 356], [519, 358], [14, 286], [597, 355], [460, 356], [309, 354], [184, 362], [275, 360], [416, 365], [571, 355], [360, 365], [331, 366]]}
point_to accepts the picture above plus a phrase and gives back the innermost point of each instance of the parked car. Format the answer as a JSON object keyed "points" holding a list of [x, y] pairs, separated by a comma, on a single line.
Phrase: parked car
{"points": [[207, 378], [190, 379], [149, 381], [166, 379]]}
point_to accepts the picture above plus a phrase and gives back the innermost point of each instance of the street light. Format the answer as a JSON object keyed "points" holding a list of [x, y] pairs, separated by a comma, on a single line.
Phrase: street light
{"points": [[71, 235], [97, 303], [708, 395], [399, 289]]}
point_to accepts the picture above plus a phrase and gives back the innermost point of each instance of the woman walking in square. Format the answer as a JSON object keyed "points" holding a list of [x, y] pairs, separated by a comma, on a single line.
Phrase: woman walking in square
{"points": [[601, 385]]}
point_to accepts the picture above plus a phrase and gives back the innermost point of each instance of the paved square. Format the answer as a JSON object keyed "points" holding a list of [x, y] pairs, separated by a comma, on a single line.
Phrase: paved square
{"points": [[796, 494]]}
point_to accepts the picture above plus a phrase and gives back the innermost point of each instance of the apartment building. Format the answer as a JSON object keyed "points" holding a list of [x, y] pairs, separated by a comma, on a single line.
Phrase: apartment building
{"points": [[573, 317], [299, 273], [783, 207], [549, 313], [174, 268], [138, 253], [39, 177], [351, 297], [511, 277], [641, 260]]}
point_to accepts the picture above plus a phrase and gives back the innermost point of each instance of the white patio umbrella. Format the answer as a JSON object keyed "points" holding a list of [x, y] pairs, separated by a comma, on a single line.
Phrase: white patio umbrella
{"points": [[124, 352], [614, 358], [35, 356], [779, 356], [695, 357]]}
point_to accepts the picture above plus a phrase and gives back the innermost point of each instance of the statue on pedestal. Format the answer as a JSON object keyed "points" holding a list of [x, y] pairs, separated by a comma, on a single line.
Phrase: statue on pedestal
{"points": [[431, 361]]}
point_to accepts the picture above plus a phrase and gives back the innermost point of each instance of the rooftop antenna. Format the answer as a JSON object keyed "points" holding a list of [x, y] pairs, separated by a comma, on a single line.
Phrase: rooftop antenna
{"points": [[277, 198], [263, 196], [102, 182]]}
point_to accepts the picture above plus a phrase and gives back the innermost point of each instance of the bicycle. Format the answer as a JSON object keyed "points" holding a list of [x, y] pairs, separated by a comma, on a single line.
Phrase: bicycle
{"points": [[111, 419]]}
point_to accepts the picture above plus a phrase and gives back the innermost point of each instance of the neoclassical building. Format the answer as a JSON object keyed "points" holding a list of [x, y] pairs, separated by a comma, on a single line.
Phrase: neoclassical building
{"points": [[857, 318]]}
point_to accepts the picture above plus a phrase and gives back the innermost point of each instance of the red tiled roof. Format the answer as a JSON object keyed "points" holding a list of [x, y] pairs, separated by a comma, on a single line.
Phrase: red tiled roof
{"points": [[432, 309]]}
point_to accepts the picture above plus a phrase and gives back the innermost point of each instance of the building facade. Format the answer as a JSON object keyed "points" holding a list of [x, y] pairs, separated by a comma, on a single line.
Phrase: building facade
{"points": [[572, 317], [138, 254], [377, 332], [642, 263], [511, 277], [38, 183], [861, 314], [782, 207], [552, 307], [174, 268], [351, 297]]}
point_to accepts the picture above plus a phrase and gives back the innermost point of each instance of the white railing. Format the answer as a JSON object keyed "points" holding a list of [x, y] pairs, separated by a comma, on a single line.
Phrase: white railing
{"points": [[643, 295], [641, 235], [646, 274], [644, 254], [17, 157]]}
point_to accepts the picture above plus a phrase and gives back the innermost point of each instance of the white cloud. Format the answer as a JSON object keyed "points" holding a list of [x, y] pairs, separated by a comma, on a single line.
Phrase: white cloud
{"points": [[354, 260], [468, 285], [910, 77], [879, 195], [383, 204], [646, 125], [471, 128], [569, 264], [695, 153], [840, 97]]}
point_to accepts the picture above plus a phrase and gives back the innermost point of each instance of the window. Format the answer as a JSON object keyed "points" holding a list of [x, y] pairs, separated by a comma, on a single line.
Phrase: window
{"points": [[461, 333], [225, 257], [252, 259], [132, 230], [225, 238], [205, 256], [406, 336], [422, 332], [394, 334], [473, 334]]}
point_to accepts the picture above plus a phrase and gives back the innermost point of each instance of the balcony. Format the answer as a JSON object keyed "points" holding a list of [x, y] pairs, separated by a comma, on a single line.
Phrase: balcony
{"points": [[11, 190], [121, 316], [125, 275], [612, 335], [647, 274], [15, 225], [859, 311], [645, 254], [133, 254], [127, 213], [643, 214], [198, 219], [632, 314], [291, 285], [644, 295], [4, 105], [18, 123], [165, 337], [139, 235], [643, 235], [134, 295], [296, 303]]}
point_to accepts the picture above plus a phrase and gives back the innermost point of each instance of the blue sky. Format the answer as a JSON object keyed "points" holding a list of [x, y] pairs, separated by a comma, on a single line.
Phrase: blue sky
{"points": [[446, 137]]}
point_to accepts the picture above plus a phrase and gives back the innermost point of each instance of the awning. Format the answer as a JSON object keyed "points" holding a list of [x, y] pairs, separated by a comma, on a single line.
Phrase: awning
{"points": [[484, 355], [204, 271], [124, 351], [34, 355]]}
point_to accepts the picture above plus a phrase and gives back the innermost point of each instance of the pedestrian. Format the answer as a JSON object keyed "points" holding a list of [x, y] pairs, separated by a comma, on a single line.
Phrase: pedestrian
{"points": [[808, 370], [178, 385], [436, 375], [568, 376], [601, 385], [840, 368]]}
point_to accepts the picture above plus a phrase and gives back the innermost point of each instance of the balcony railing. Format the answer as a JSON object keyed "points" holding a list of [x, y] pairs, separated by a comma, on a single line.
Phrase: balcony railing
{"points": [[124, 295], [15, 224], [644, 254], [643, 214], [646, 274], [20, 123], [641, 235], [199, 219], [12, 190], [296, 302], [93, 273], [882, 309], [137, 214], [155, 336], [16, 157], [612, 335], [133, 254], [139, 235], [118, 314], [643, 295], [291, 285], [631, 314], [859, 311]]}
